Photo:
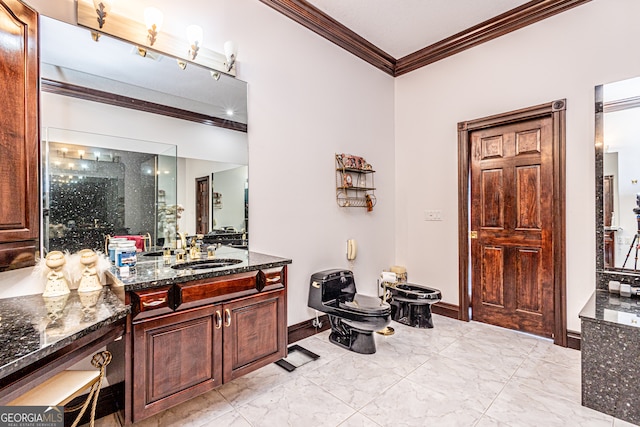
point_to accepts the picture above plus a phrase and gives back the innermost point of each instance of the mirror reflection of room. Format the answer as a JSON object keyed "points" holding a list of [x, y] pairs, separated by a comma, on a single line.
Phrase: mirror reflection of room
{"points": [[621, 177], [100, 189]]}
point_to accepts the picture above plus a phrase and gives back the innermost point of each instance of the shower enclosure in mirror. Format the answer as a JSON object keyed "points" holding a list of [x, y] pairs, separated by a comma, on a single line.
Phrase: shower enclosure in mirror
{"points": [[98, 185], [618, 180]]}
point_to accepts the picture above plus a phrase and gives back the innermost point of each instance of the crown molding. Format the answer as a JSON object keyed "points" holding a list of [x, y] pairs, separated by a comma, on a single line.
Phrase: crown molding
{"points": [[490, 29], [317, 21], [322, 24]]}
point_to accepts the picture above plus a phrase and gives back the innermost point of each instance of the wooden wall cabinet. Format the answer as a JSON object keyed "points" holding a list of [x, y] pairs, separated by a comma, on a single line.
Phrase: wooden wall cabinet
{"points": [[211, 338], [19, 135]]}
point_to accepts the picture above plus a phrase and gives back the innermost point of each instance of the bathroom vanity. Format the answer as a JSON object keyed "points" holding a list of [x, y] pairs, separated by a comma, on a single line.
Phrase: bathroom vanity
{"points": [[610, 352], [191, 330], [43, 336]]}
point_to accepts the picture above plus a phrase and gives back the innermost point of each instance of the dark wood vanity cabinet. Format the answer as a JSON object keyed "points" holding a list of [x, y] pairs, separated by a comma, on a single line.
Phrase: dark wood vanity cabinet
{"points": [[19, 135], [176, 357], [211, 338]]}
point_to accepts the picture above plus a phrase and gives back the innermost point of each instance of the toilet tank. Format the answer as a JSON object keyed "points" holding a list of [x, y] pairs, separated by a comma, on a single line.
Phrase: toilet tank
{"points": [[328, 285]]}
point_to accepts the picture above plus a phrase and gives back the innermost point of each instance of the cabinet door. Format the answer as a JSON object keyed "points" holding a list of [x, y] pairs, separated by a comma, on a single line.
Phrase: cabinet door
{"points": [[175, 357], [254, 333], [19, 130]]}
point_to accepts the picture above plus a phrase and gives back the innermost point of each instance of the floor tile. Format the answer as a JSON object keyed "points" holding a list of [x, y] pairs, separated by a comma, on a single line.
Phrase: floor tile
{"points": [[501, 361], [195, 412], [356, 380], [297, 403], [458, 378], [523, 406], [253, 385], [359, 420], [410, 404], [560, 380], [546, 350]]}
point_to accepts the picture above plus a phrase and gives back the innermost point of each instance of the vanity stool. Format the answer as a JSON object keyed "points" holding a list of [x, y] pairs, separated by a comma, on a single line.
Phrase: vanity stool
{"points": [[67, 385]]}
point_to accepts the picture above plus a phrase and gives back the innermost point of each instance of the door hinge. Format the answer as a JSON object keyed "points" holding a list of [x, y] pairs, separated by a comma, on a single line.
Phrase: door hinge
{"points": [[473, 234]]}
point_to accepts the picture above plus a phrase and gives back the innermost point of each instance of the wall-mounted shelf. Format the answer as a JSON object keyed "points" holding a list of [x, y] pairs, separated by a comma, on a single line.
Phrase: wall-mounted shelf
{"points": [[354, 182]]}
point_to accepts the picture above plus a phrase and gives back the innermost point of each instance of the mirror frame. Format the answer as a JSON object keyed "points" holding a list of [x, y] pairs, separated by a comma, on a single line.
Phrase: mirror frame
{"points": [[603, 276]]}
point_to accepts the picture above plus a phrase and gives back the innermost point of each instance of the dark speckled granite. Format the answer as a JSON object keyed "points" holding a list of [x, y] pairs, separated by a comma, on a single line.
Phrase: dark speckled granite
{"points": [[610, 347], [151, 272], [32, 327]]}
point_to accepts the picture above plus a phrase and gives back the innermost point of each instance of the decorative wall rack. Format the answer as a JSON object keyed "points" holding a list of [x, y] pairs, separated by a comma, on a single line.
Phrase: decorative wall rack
{"points": [[354, 182]]}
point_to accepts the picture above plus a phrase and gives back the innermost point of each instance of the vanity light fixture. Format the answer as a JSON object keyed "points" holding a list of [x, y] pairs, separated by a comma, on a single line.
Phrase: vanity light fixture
{"points": [[81, 154], [230, 52], [146, 34], [153, 18], [229, 112], [103, 8], [194, 36]]}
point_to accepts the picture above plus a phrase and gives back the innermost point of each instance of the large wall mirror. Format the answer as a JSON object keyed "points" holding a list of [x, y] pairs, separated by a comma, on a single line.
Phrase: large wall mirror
{"points": [[618, 181], [211, 179]]}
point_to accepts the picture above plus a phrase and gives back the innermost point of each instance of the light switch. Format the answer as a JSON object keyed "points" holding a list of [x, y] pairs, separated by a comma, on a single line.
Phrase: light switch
{"points": [[433, 215]]}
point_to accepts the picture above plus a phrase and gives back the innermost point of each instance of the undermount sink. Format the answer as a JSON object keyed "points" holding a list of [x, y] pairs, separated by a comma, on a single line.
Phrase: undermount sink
{"points": [[206, 263], [157, 253]]}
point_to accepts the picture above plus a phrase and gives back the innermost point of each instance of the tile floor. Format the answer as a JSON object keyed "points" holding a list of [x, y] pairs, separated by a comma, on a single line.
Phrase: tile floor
{"points": [[457, 374]]}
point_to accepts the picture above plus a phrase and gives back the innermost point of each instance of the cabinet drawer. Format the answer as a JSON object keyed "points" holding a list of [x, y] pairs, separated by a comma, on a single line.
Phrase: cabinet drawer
{"points": [[270, 279], [207, 291], [151, 302]]}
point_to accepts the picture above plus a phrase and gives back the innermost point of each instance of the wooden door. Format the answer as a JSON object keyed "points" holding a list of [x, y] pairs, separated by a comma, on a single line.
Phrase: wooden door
{"points": [[255, 333], [202, 205], [607, 197], [19, 135], [176, 357], [511, 212]]}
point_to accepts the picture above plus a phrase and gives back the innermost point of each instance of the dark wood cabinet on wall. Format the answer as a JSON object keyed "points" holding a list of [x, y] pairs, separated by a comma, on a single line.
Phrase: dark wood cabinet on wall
{"points": [[19, 135]]}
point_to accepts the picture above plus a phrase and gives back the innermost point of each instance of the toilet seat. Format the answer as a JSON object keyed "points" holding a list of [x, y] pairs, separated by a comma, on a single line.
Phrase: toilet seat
{"points": [[365, 304]]}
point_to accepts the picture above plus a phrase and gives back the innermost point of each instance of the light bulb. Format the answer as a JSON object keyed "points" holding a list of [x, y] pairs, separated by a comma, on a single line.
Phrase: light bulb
{"points": [[231, 53], [194, 36], [153, 19]]}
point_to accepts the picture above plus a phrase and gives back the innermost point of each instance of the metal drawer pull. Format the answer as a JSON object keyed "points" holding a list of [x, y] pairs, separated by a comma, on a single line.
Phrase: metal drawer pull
{"points": [[227, 317], [218, 319], [154, 303], [273, 279]]}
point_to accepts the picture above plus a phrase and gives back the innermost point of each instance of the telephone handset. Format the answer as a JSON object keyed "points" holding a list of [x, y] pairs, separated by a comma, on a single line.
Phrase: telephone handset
{"points": [[352, 249]]}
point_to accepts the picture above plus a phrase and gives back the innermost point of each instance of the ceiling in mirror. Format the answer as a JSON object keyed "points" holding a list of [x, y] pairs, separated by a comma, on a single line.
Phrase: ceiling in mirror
{"points": [[69, 55]]}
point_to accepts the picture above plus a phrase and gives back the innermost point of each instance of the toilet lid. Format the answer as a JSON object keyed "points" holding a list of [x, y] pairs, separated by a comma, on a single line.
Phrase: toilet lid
{"points": [[365, 304]]}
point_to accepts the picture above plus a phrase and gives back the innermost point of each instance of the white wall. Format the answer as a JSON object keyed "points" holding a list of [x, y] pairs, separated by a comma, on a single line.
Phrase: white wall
{"points": [[308, 99], [561, 57], [231, 185]]}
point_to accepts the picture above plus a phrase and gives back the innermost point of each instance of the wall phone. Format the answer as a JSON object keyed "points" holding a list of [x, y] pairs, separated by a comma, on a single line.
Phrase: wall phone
{"points": [[352, 249]]}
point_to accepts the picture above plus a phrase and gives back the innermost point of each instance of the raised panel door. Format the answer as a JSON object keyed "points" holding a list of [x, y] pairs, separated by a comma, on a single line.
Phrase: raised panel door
{"points": [[511, 199], [254, 333], [175, 357], [19, 135]]}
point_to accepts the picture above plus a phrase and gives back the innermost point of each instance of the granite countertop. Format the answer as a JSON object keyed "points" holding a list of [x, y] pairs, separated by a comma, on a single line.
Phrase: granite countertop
{"points": [[605, 307], [151, 272], [32, 327]]}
